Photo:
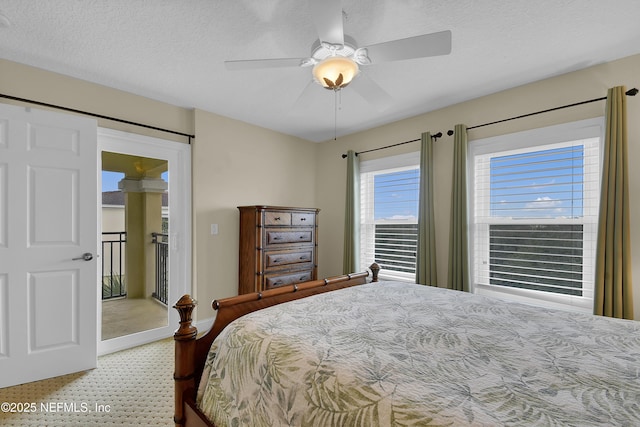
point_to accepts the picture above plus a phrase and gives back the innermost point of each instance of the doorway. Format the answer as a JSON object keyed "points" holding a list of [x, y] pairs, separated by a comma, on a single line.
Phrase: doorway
{"points": [[135, 232], [145, 234]]}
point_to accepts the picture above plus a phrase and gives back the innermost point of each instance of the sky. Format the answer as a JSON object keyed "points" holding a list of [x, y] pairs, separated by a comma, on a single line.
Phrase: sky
{"points": [[399, 202], [541, 184], [110, 180]]}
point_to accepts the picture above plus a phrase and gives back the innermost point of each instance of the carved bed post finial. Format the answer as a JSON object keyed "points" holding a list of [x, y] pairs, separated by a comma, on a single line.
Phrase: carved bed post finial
{"points": [[185, 306], [185, 343], [375, 269]]}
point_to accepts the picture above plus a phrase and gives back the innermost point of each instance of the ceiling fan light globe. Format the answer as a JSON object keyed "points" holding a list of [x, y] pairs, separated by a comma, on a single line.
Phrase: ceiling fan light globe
{"points": [[335, 72]]}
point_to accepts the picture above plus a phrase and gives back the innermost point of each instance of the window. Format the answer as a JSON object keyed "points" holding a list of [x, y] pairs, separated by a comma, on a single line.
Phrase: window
{"points": [[534, 210], [389, 214]]}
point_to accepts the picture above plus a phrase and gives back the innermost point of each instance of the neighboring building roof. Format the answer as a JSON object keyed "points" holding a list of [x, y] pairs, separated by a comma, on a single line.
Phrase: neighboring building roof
{"points": [[116, 198], [113, 198]]}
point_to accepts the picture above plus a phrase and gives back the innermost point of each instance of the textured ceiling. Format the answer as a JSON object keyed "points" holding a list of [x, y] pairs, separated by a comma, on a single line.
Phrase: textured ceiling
{"points": [[173, 51]]}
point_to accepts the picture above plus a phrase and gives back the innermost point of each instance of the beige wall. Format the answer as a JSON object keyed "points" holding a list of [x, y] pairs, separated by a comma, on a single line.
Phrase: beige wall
{"points": [[235, 164], [569, 88], [113, 218], [32, 83]]}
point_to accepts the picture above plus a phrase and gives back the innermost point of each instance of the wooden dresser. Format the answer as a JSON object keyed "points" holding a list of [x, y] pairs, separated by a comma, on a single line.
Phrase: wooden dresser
{"points": [[278, 246]]}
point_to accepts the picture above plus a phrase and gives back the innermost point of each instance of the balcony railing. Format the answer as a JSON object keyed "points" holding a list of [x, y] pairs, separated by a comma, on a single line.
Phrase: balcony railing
{"points": [[539, 257], [113, 277], [395, 247], [161, 242], [113, 272]]}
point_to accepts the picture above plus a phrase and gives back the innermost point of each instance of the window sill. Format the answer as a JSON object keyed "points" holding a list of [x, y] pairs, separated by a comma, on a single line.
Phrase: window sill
{"points": [[539, 299], [389, 277]]}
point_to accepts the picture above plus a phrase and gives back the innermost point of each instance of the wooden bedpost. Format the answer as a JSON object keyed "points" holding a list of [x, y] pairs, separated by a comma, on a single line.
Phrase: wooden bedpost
{"points": [[375, 269], [185, 344]]}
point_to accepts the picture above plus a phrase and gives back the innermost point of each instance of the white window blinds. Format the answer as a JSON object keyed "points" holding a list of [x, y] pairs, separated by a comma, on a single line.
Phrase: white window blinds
{"points": [[389, 214], [534, 220]]}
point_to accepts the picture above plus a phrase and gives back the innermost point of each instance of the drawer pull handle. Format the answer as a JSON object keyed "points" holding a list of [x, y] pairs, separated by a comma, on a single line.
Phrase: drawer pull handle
{"points": [[277, 238], [278, 283], [303, 219], [302, 237], [276, 260], [276, 218], [303, 258], [303, 278]]}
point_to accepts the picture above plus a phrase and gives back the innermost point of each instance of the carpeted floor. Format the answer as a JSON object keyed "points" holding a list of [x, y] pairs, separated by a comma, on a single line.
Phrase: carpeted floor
{"points": [[132, 387]]}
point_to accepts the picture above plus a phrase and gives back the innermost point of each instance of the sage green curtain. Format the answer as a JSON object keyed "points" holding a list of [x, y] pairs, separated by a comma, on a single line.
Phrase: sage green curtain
{"points": [[458, 277], [426, 248], [613, 286], [352, 215]]}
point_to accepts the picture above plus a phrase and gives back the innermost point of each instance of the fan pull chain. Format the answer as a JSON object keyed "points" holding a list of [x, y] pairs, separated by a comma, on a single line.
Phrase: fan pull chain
{"points": [[335, 115], [337, 106]]}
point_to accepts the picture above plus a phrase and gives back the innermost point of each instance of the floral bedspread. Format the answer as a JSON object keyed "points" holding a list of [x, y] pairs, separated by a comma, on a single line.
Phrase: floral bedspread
{"points": [[396, 354]]}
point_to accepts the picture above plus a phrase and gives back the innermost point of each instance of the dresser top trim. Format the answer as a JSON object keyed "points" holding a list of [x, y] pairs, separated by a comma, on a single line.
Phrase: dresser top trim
{"points": [[276, 208]]}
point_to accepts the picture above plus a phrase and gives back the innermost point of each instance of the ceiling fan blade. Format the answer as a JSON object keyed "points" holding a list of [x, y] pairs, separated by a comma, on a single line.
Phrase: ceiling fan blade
{"points": [[433, 44], [254, 64], [327, 17], [371, 92], [304, 100]]}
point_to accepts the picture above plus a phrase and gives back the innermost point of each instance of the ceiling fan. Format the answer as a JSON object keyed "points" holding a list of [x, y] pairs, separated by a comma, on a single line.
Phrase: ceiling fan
{"points": [[336, 58]]}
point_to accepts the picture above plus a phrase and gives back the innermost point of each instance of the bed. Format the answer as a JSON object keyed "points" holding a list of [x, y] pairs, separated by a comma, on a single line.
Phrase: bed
{"points": [[391, 353]]}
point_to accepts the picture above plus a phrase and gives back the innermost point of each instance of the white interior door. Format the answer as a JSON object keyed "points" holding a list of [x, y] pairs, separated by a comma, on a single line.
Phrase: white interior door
{"points": [[48, 220]]}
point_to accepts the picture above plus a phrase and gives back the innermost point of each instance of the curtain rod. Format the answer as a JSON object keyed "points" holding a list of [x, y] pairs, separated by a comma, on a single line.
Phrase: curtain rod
{"points": [[630, 92], [100, 116], [434, 137]]}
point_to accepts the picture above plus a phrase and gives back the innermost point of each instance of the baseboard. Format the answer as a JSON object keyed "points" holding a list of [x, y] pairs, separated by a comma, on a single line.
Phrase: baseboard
{"points": [[204, 325], [133, 340]]}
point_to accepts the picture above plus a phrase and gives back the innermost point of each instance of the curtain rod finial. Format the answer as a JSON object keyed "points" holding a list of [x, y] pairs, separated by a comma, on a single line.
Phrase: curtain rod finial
{"points": [[344, 156], [449, 132], [632, 92]]}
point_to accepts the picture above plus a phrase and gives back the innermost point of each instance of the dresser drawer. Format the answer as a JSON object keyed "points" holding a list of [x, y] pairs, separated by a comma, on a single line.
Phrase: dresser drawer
{"points": [[277, 259], [287, 279], [279, 237], [277, 218], [278, 245], [307, 219]]}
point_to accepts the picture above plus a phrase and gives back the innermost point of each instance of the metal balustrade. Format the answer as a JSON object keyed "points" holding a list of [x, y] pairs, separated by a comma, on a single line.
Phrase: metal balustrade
{"points": [[161, 242], [113, 275], [395, 247], [113, 261]]}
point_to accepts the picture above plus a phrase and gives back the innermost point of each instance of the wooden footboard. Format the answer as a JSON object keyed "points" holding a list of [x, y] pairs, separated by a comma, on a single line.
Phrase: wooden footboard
{"points": [[191, 352]]}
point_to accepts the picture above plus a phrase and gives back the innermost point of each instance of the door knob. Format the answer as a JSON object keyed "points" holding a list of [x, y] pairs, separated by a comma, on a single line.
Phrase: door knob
{"points": [[87, 256]]}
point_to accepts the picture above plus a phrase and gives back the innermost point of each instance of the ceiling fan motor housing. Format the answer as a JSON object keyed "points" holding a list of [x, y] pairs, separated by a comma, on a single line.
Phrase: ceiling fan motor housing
{"points": [[334, 67]]}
